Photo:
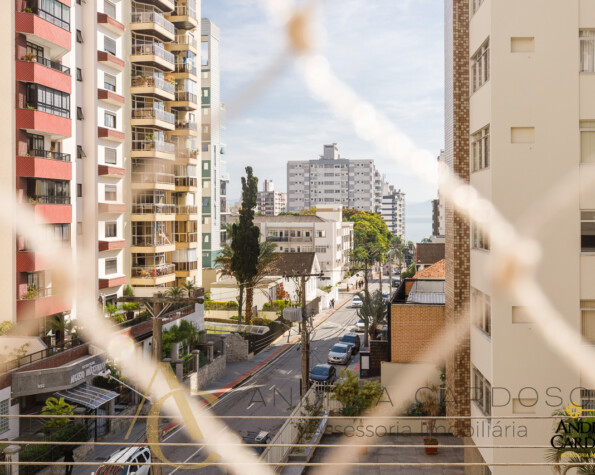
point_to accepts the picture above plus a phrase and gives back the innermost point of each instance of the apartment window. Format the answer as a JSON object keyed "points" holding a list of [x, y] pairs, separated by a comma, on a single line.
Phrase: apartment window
{"points": [[111, 192], [111, 156], [80, 153], [109, 45], [79, 190], [79, 36], [111, 229], [35, 49], [482, 392], [588, 321], [48, 100], [54, 12], [79, 74], [587, 128], [79, 113], [205, 92], [4, 405], [475, 4], [480, 66], [110, 120], [588, 231], [109, 82], [478, 239], [109, 9], [206, 202], [587, 51], [480, 149], [320, 249], [111, 266], [481, 311], [42, 191]]}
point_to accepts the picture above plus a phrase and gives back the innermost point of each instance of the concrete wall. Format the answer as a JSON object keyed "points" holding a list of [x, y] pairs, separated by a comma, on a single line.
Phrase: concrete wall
{"points": [[208, 373], [236, 348]]}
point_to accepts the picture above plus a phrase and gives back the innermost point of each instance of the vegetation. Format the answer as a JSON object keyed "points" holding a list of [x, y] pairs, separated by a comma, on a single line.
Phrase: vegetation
{"points": [[6, 327], [278, 305], [356, 397], [265, 322], [60, 326], [409, 272], [186, 333], [128, 292], [326, 288], [306, 428], [372, 312], [220, 305], [57, 407], [429, 405]]}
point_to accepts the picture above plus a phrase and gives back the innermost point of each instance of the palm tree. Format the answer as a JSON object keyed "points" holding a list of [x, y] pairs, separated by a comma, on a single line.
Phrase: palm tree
{"points": [[175, 292], [372, 312], [60, 326], [189, 287], [266, 258]]}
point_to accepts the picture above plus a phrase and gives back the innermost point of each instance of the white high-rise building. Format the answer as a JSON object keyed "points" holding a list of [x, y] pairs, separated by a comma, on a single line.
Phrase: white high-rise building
{"points": [[270, 202], [393, 210], [333, 180]]}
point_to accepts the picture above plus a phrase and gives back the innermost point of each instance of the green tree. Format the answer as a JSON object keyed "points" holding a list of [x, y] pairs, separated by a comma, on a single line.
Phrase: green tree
{"points": [[175, 292], [266, 258], [57, 407], [354, 396], [6, 327], [372, 311], [409, 272], [60, 326], [189, 287]]}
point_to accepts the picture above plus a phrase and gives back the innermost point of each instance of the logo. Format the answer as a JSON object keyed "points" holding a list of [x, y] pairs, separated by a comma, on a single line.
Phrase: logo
{"points": [[575, 434], [177, 391]]}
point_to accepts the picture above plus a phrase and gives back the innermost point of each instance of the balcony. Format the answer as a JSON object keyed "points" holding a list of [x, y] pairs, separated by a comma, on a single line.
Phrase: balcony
{"points": [[185, 183], [189, 154], [108, 282], [153, 275], [154, 24], [151, 244], [186, 269], [45, 72], [42, 27], [183, 43], [186, 240], [43, 122], [184, 101], [111, 208], [110, 97], [152, 54], [39, 303], [186, 70], [45, 164], [189, 129], [110, 23], [153, 86], [111, 61], [150, 148], [110, 171], [183, 212], [112, 135], [184, 17], [31, 261], [153, 117], [111, 245], [289, 239], [153, 181], [153, 212], [165, 5]]}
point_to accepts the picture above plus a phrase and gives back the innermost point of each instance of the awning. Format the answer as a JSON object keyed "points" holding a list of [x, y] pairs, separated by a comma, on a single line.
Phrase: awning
{"points": [[88, 396], [218, 327]]}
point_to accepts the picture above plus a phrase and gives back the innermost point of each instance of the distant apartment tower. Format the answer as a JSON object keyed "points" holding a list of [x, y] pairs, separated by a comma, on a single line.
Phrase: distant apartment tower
{"points": [[438, 211], [270, 202], [212, 178], [333, 180], [393, 210]]}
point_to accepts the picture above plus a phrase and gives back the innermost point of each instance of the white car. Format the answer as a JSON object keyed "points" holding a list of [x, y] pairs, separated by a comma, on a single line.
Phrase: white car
{"points": [[356, 302], [360, 326], [135, 454]]}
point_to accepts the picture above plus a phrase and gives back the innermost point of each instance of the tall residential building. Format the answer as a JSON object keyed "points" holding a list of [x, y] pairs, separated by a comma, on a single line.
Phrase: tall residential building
{"points": [[438, 212], [519, 121], [270, 202], [333, 180], [393, 210], [211, 144]]}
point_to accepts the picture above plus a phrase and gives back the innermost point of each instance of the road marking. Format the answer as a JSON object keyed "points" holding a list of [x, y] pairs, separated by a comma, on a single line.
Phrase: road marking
{"points": [[271, 387], [192, 455], [290, 371], [250, 406]]}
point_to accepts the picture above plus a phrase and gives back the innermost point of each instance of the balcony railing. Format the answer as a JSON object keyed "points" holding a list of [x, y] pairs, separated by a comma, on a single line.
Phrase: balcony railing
{"points": [[151, 272], [153, 177], [64, 157], [186, 266], [48, 63], [33, 293], [148, 145], [289, 239], [182, 125], [186, 40], [186, 96], [153, 113], [186, 237], [150, 240], [185, 68], [153, 208], [153, 81], [184, 10], [39, 355], [49, 200], [153, 17], [153, 49], [186, 209], [186, 152], [186, 181], [50, 109], [51, 18]]}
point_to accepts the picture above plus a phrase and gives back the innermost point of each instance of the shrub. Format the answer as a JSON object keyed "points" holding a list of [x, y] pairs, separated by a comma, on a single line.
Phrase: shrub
{"points": [[266, 306], [326, 288], [261, 321]]}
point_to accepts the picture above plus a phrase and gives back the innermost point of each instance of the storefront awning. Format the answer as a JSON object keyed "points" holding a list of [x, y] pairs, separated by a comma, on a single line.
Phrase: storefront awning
{"points": [[88, 396]]}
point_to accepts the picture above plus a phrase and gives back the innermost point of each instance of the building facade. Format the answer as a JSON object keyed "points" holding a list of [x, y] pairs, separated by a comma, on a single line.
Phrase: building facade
{"points": [[333, 180], [393, 210], [270, 202], [518, 121]]}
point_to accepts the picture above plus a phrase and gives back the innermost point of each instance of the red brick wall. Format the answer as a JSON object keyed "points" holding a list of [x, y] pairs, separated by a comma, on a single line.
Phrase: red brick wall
{"points": [[413, 330]]}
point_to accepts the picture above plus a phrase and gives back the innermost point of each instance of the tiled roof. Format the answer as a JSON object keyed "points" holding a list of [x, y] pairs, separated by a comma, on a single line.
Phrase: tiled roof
{"points": [[435, 271], [293, 263], [429, 253]]}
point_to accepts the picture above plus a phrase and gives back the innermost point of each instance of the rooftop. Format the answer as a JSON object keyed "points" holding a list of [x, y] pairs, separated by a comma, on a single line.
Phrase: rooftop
{"points": [[293, 263], [435, 271], [427, 292], [289, 219], [429, 253]]}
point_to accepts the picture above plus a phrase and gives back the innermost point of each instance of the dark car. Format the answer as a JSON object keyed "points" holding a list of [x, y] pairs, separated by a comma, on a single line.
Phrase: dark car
{"points": [[352, 339], [325, 374], [261, 437]]}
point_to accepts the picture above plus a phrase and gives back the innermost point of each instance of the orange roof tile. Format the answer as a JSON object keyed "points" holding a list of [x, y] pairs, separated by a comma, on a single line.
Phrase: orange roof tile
{"points": [[435, 271]]}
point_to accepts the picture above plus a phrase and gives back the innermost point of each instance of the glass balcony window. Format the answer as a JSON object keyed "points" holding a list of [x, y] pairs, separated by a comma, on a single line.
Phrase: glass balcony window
{"points": [[42, 191], [186, 266], [150, 144], [143, 80], [152, 48], [48, 100], [153, 113], [51, 10], [186, 40], [151, 272], [184, 10], [153, 17]]}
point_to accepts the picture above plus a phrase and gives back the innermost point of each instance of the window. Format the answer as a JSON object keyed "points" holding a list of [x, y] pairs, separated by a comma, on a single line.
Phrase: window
{"points": [[481, 311], [480, 149], [206, 202], [475, 4], [111, 192], [111, 229], [588, 231], [4, 411], [79, 113], [111, 156], [56, 192], [109, 45], [109, 9], [110, 120], [478, 239], [587, 51], [111, 266], [79, 190], [206, 238], [79, 74], [109, 82], [320, 249], [35, 49], [480, 66], [482, 392], [205, 92], [79, 228], [79, 36], [80, 152], [48, 100], [54, 12]]}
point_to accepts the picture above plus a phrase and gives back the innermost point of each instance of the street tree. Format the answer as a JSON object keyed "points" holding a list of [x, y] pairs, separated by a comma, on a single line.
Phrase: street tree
{"points": [[372, 312]]}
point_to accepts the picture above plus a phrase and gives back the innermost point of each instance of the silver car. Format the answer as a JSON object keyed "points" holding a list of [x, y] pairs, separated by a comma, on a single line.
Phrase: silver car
{"points": [[340, 354]]}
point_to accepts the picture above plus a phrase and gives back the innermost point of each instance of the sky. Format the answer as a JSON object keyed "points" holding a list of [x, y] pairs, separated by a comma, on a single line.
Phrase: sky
{"points": [[388, 51]]}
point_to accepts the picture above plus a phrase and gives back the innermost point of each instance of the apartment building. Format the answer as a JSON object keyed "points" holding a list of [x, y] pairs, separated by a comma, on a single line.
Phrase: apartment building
{"points": [[393, 210], [333, 180], [270, 202], [212, 149], [325, 234], [519, 114]]}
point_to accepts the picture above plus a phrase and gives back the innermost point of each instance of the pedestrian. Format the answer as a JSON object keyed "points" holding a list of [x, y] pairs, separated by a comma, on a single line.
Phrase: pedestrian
{"points": [[68, 457]]}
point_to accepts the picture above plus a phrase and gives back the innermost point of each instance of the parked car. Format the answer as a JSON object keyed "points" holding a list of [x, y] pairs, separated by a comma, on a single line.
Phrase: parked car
{"points": [[340, 354], [323, 374], [134, 454], [352, 339], [396, 283], [356, 302], [261, 437], [385, 297], [360, 326]]}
